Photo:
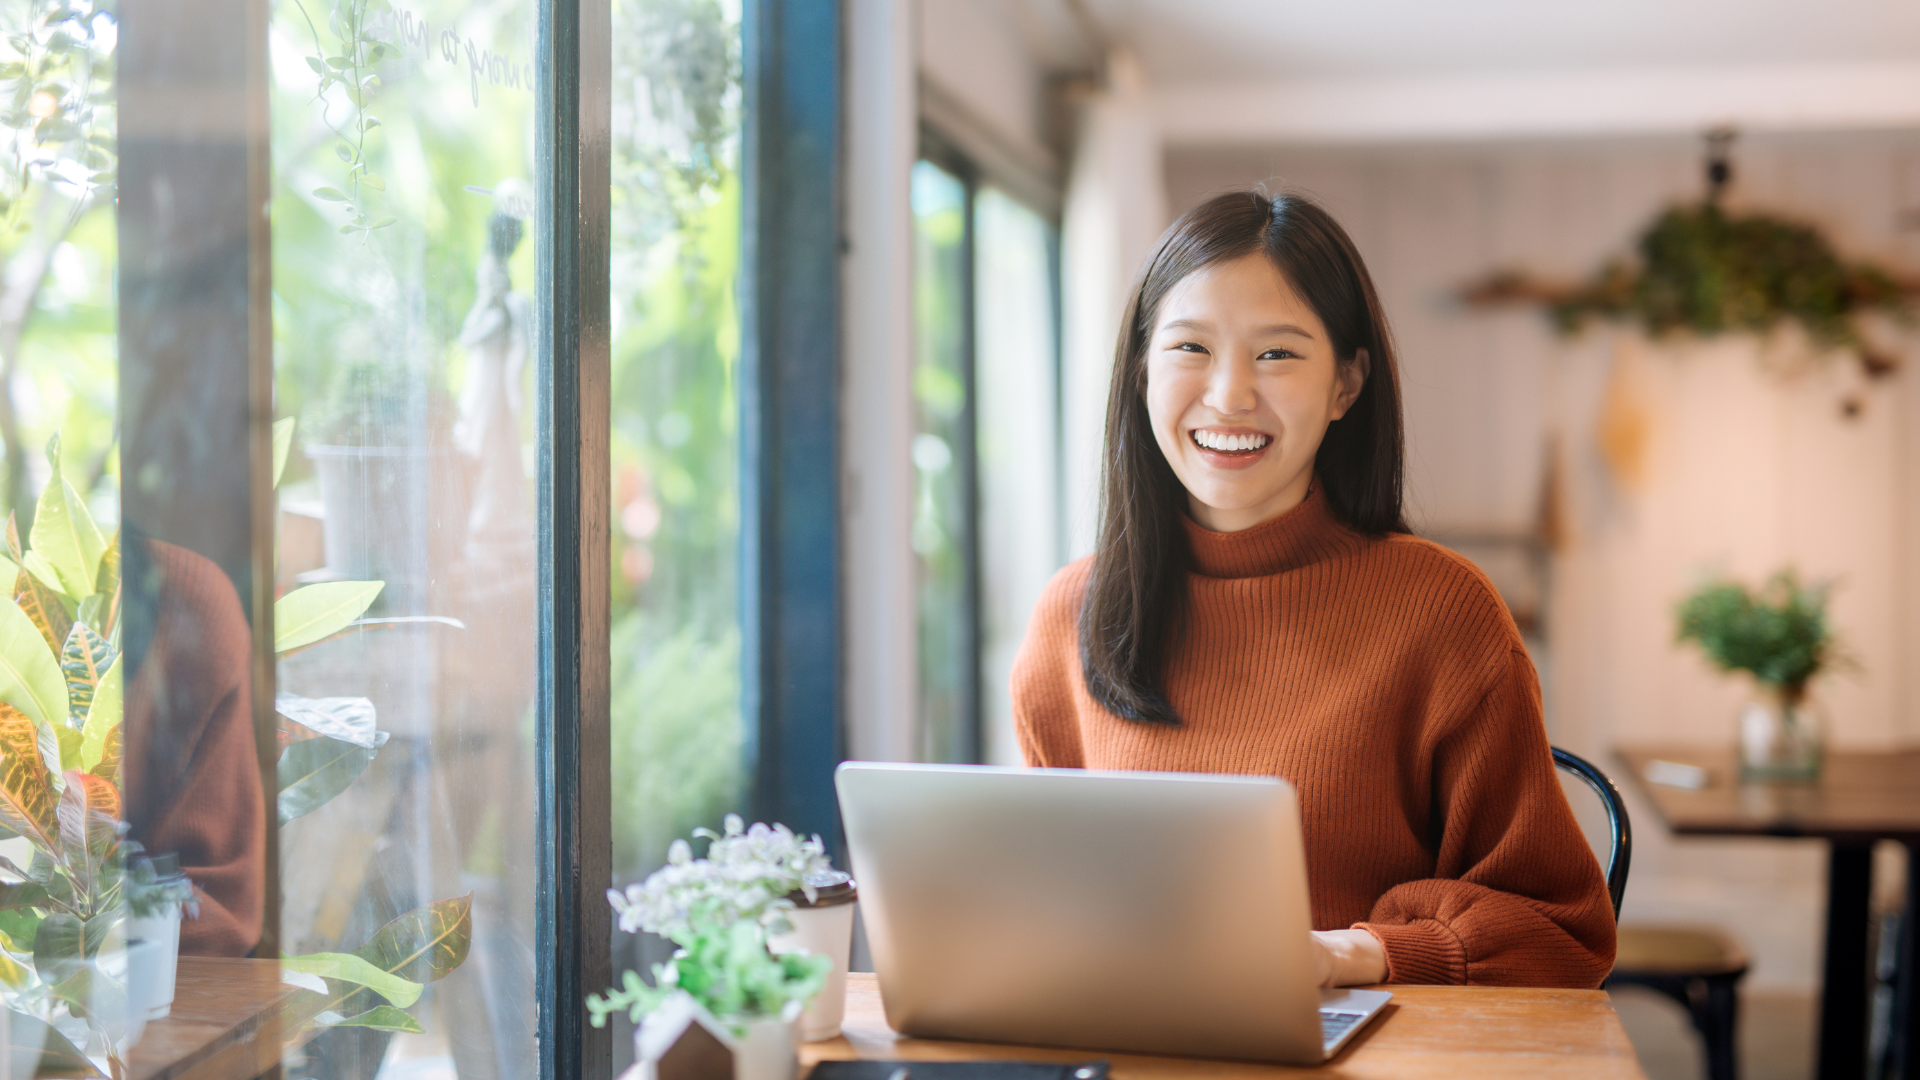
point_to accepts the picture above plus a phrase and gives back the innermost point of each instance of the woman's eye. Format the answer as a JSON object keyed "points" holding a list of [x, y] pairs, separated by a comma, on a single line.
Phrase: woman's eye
{"points": [[1190, 346], [1275, 354]]}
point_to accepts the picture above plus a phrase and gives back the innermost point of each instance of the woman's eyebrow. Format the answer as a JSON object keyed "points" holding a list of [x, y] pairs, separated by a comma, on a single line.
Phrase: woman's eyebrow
{"points": [[1287, 328], [1187, 324], [1264, 331]]}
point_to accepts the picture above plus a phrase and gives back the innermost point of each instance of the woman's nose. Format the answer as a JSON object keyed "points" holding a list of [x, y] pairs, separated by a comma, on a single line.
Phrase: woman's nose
{"points": [[1230, 386]]}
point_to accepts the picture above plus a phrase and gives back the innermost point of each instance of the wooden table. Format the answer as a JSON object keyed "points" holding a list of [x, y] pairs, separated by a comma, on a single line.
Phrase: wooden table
{"points": [[1427, 1031], [227, 1023], [1860, 798]]}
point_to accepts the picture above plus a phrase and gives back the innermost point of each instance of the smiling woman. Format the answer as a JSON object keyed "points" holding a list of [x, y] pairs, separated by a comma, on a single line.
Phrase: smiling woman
{"points": [[1242, 383], [1256, 604]]}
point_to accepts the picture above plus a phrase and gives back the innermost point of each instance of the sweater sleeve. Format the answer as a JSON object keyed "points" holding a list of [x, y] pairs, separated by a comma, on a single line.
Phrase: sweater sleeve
{"points": [[1517, 898], [192, 772], [1046, 676]]}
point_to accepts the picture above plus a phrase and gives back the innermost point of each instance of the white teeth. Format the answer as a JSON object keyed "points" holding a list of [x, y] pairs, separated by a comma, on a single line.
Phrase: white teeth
{"points": [[1214, 440]]}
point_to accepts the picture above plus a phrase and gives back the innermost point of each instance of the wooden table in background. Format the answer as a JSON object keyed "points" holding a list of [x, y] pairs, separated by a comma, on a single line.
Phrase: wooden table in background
{"points": [[1427, 1031], [1860, 798], [226, 1023]]}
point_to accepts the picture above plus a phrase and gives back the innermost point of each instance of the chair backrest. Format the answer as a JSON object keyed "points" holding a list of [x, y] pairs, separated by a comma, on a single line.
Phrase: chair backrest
{"points": [[1620, 855]]}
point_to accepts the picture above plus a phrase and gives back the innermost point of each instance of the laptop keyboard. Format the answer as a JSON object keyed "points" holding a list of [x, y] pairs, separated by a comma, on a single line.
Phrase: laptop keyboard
{"points": [[1333, 1025]]}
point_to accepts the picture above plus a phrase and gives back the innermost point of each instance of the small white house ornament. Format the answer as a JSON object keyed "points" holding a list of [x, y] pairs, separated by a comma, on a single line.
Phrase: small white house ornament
{"points": [[680, 1040]]}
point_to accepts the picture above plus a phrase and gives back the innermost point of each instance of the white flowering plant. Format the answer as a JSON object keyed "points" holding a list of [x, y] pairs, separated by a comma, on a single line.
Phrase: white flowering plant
{"points": [[720, 911], [747, 874]]}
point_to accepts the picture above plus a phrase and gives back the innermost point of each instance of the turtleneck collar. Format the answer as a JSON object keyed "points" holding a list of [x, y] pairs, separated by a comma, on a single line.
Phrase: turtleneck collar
{"points": [[1305, 534]]}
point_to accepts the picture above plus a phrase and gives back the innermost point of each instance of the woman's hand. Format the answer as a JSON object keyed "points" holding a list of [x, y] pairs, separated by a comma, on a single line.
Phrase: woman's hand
{"points": [[1348, 958]]}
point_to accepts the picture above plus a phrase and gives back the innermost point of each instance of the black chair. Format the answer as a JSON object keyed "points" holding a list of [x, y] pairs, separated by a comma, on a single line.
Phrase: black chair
{"points": [[1700, 967], [1620, 857]]}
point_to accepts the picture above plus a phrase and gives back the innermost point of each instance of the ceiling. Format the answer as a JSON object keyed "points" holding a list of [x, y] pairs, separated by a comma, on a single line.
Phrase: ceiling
{"points": [[1207, 40], [1265, 70]]}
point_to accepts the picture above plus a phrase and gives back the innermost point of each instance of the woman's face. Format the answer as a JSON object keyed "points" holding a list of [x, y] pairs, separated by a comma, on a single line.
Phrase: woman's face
{"points": [[1241, 385]]}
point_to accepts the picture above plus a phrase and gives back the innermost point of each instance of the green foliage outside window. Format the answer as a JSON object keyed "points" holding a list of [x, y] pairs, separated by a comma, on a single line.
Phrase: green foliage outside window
{"points": [[677, 729]]}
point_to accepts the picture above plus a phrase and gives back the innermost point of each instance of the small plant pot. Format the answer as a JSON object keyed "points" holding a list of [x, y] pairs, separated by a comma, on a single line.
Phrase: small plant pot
{"points": [[1781, 739], [823, 927], [682, 1041], [769, 1050], [150, 971]]}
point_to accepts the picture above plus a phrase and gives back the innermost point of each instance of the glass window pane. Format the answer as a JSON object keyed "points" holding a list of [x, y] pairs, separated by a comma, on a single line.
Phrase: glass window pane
{"points": [[1016, 361], [942, 462], [64, 931], [677, 734], [402, 140]]}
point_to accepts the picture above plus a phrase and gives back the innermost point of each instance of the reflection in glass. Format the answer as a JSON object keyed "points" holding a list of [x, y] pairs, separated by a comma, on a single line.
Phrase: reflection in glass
{"points": [[77, 976], [943, 515], [402, 140]]}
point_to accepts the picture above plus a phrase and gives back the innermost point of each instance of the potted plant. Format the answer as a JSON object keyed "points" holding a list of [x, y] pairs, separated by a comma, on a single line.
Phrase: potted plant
{"points": [[157, 893], [1778, 634], [724, 980], [89, 928]]}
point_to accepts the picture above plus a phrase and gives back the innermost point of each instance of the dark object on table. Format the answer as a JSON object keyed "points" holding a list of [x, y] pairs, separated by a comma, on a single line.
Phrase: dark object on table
{"points": [[959, 1070], [1699, 967]]}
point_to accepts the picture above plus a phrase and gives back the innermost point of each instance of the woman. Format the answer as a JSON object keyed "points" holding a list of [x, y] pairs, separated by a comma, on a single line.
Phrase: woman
{"points": [[1258, 605]]}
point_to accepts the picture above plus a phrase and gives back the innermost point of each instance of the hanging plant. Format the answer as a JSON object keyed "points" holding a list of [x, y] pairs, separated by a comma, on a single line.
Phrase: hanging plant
{"points": [[1704, 271]]}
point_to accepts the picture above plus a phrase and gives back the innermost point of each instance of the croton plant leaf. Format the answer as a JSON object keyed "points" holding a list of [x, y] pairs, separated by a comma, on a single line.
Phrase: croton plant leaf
{"points": [[13, 974], [348, 967], [13, 538], [425, 943], [64, 943], [64, 533], [36, 1048], [106, 588], [20, 894], [282, 443], [85, 658], [30, 676], [108, 767], [74, 812], [420, 946], [316, 612], [27, 798], [383, 1017], [313, 771], [42, 605], [103, 721], [72, 743]]}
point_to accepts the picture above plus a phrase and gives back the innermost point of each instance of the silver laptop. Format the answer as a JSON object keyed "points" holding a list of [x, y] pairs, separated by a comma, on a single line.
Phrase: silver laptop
{"points": [[1159, 913]]}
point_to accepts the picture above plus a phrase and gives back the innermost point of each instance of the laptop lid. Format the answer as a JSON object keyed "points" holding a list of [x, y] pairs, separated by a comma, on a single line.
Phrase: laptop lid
{"points": [[1146, 912]]}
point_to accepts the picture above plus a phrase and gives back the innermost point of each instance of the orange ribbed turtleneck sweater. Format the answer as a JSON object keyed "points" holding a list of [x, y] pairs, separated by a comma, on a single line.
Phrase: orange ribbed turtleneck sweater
{"points": [[1386, 681]]}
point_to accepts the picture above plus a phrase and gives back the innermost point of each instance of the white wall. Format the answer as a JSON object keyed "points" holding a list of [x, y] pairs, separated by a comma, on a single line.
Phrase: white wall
{"points": [[973, 51], [1748, 463], [876, 399]]}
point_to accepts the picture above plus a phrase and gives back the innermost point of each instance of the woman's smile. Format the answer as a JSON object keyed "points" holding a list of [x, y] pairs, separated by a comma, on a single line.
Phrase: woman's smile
{"points": [[1230, 448]]}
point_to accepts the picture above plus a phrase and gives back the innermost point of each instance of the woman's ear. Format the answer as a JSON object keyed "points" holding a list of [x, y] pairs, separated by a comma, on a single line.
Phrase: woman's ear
{"points": [[1352, 378]]}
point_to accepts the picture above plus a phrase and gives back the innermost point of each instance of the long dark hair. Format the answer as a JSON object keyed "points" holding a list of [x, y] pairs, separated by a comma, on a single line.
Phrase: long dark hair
{"points": [[1134, 603]]}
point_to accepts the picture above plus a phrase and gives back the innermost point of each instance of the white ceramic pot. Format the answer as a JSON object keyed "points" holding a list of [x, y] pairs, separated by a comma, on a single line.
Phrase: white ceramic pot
{"points": [[150, 972], [823, 928]]}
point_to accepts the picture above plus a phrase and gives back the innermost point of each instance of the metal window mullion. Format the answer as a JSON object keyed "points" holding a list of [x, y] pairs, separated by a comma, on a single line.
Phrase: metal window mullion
{"points": [[790, 414], [972, 746], [574, 828]]}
